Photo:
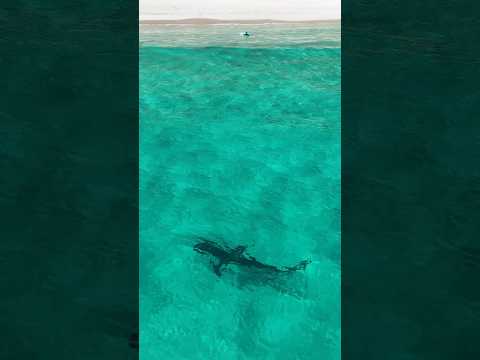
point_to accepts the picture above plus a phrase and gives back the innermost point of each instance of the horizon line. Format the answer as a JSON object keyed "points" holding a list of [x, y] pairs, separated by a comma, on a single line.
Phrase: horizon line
{"points": [[211, 21]]}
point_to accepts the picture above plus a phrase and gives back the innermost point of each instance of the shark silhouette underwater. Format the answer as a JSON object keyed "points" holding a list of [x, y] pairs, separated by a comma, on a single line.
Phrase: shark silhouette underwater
{"points": [[225, 255]]}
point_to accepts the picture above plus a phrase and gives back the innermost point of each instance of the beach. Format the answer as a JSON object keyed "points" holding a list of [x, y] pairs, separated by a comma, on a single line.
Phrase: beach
{"points": [[211, 21], [286, 10]]}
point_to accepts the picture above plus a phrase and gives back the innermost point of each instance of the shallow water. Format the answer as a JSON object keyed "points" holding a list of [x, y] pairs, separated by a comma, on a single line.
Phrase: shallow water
{"points": [[271, 35], [241, 145]]}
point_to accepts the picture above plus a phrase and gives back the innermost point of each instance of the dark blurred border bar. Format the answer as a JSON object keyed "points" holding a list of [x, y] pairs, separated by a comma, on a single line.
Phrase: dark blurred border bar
{"points": [[410, 180], [69, 179]]}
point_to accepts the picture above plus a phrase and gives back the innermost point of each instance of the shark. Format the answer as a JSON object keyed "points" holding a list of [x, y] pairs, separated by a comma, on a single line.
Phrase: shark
{"points": [[225, 256]]}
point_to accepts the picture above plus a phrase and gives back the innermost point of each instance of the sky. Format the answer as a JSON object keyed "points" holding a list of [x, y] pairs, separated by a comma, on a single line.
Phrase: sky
{"points": [[240, 9]]}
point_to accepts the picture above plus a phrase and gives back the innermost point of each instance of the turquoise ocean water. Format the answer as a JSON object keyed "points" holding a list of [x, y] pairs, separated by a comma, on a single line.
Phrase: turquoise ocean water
{"points": [[240, 143]]}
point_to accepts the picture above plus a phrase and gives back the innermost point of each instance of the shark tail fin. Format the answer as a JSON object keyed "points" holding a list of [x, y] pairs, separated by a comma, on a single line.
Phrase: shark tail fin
{"points": [[302, 265]]}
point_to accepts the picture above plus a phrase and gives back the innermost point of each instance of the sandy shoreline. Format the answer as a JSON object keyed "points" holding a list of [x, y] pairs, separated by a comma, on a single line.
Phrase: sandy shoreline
{"points": [[205, 21], [244, 10]]}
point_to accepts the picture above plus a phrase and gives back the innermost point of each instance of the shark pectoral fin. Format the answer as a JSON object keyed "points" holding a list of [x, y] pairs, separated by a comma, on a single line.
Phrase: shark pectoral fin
{"points": [[217, 268]]}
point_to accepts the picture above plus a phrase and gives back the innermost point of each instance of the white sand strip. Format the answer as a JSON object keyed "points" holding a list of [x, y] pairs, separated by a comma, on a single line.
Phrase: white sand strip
{"points": [[287, 10]]}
